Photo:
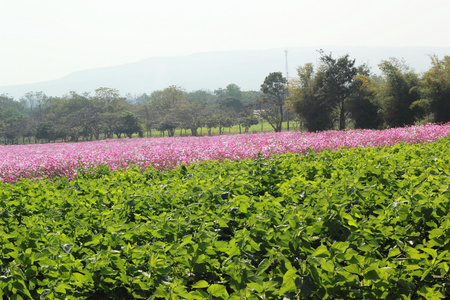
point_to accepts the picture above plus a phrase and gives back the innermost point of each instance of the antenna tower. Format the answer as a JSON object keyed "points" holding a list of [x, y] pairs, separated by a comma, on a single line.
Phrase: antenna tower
{"points": [[287, 84], [287, 71]]}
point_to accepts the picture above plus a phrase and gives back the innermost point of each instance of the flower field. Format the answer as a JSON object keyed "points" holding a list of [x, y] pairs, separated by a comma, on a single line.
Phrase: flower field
{"points": [[67, 159], [358, 223]]}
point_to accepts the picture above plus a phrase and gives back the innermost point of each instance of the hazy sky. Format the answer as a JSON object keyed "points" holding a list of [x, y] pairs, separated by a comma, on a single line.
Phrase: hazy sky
{"points": [[47, 39]]}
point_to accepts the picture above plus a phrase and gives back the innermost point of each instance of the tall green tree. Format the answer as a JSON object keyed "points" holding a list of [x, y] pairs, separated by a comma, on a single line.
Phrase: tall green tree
{"points": [[74, 121], [165, 100], [435, 89], [246, 119], [248, 97], [147, 115], [128, 124], [10, 110], [363, 105], [190, 116], [271, 105], [211, 119], [167, 104], [27, 129], [46, 131], [202, 96], [231, 91], [109, 105], [399, 91], [233, 105], [35, 102], [169, 122], [12, 118], [338, 84], [331, 93], [314, 109]]}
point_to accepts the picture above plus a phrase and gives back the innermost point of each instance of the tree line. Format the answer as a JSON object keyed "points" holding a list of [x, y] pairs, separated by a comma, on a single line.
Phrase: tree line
{"points": [[335, 94], [106, 114]]}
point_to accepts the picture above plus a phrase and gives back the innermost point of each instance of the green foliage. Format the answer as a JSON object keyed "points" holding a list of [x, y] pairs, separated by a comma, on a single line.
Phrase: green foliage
{"points": [[45, 131], [109, 108], [339, 91], [232, 105], [202, 96], [313, 109], [398, 92], [247, 120], [435, 88], [271, 105], [129, 124], [168, 123], [350, 224], [231, 91], [362, 105], [10, 110], [12, 115], [191, 116], [166, 104], [338, 80]]}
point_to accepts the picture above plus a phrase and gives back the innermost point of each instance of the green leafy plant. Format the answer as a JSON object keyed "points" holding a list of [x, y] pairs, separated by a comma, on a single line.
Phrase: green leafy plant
{"points": [[361, 223]]}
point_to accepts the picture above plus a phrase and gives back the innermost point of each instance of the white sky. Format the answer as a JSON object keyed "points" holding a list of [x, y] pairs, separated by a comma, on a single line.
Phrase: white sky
{"points": [[47, 39]]}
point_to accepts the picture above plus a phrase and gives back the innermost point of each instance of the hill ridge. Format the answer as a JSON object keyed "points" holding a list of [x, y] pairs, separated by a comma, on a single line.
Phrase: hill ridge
{"points": [[213, 70]]}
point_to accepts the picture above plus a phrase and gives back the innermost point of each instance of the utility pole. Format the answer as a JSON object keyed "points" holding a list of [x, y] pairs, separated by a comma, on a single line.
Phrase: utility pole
{"points": [[287, 70], [287, 84]]}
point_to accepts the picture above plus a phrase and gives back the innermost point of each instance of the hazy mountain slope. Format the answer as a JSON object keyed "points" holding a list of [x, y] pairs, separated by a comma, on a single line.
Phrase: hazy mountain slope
{"points": [[213, 70]]}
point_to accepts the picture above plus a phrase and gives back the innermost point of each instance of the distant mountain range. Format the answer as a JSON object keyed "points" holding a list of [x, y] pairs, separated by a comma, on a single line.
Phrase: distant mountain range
{"points": [[213, 70]]}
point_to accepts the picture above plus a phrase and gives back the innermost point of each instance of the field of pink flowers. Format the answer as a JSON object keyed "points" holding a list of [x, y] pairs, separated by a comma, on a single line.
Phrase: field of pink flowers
{"points": [[66, 159]]}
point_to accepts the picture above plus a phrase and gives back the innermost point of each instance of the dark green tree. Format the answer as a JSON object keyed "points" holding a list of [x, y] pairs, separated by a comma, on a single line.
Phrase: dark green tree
{"points": [[166, 104], [271, 105], [11, 115], [338, 84], [248, 97], [398, 92], [190, 116], [45, 131], [233, 105], [309, 103], [27, 129], [109, 106], [211, 120], [74, 120], [224, 120], [202, 96], [231, 91], [435, 89], [169, 123], [247, 119], [147, 115], [12, 133], [362, 104], [129, 124]]}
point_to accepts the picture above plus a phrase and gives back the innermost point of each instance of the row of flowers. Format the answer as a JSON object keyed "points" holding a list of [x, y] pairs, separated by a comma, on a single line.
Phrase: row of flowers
{"points": [[67, 159]]}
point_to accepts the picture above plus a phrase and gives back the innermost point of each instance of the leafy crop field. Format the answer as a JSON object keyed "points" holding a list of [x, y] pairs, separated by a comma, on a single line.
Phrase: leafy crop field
{"points": [[67, 159], [357, 223]]}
